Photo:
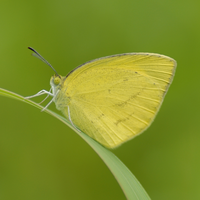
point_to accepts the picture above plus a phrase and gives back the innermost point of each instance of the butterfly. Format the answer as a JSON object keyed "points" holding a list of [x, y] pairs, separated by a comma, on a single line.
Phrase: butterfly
{"points": [[114, 98]]}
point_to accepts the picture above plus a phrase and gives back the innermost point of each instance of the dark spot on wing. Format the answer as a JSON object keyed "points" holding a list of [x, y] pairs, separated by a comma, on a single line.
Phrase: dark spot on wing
{"points": [[100, 116], [121, 120], [123, 103]]}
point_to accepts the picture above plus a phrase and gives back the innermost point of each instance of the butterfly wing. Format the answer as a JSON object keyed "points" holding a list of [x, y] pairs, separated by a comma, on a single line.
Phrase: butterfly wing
{"points": [[113, 99]]}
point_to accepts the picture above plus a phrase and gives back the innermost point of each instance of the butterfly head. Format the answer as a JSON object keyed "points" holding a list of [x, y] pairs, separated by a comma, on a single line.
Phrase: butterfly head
{"points": [[56, 83]]}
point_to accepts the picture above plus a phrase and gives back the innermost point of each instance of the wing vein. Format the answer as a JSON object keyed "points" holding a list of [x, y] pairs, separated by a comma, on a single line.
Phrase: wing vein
{"points": [[155, 100], [135, 117], [111, 130]]}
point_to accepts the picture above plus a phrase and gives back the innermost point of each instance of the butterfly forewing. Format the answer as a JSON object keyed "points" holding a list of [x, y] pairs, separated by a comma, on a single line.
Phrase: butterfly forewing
{"points": [[115, 98]]}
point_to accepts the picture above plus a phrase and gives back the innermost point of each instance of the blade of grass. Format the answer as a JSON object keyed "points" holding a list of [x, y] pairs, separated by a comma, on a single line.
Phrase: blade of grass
{"points": [[129, 184]]}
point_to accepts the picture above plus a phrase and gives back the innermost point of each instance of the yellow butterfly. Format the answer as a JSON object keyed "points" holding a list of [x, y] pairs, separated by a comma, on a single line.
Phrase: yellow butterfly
{"points": [[114, 98]]}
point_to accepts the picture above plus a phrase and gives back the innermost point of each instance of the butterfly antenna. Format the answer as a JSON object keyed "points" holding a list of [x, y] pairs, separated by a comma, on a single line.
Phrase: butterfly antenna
{"points": [[36, 54]]}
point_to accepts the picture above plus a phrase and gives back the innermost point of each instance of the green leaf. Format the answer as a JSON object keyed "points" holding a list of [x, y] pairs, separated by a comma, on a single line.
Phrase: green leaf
{"points": [[129, 184]]}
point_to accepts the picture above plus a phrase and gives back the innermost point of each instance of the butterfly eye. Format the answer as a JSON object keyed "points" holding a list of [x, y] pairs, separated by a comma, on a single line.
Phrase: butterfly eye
{"points": [[56, 80]]}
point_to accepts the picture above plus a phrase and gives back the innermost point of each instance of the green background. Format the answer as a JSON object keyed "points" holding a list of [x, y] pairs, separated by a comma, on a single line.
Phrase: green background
{"points": [[41, 158]]}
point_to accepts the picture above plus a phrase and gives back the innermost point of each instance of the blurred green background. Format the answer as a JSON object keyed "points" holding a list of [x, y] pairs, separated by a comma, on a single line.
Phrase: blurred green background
{"points": [[41, 158]]}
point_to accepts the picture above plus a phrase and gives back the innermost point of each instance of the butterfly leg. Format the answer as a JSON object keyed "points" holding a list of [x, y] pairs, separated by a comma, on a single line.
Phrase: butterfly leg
{"points": [[40, 93], [54, 96], [46, 97], [71, 120]]}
